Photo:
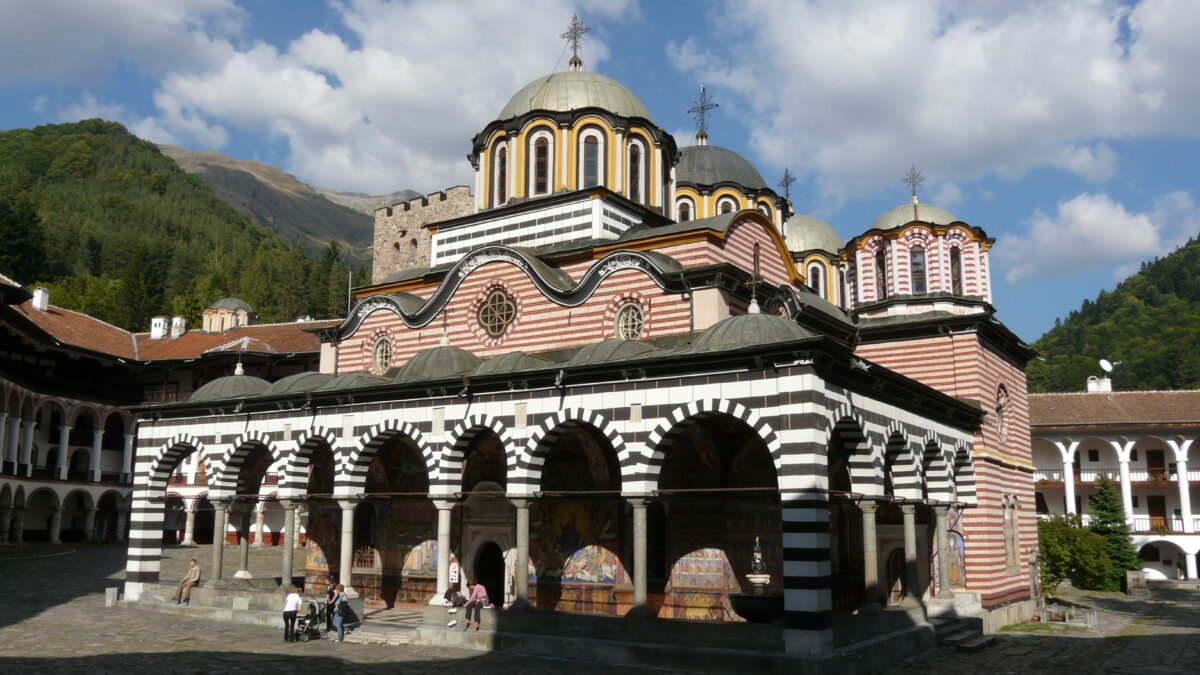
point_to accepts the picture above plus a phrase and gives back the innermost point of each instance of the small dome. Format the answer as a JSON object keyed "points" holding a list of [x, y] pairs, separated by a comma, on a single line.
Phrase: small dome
{"points": [[231, 303], [300, 382], [711, 164], [508, 363], [352, 381], [805, 233], [612, 349], [231, 386], [437, 363], [749, 330], [573, 90], [907, 213]]}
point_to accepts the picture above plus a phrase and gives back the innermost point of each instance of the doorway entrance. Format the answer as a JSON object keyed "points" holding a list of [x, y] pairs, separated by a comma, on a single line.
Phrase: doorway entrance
{"points": [[489, 571], [1157, 506]]}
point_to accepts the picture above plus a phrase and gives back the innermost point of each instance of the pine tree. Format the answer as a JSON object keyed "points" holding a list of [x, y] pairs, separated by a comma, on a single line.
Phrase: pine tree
{"points": [[22, 243], [1108, 521]]}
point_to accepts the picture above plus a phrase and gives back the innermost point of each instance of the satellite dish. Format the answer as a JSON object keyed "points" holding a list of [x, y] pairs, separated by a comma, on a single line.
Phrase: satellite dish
{"points": [[1106, 366]]}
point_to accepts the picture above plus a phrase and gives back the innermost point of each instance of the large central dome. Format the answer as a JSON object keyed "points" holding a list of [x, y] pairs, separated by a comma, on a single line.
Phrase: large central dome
{"points": [[572, 90]]}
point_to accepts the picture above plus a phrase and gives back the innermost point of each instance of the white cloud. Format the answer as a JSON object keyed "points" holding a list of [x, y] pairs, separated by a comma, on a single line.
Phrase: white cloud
{"points": [[77, 41], [393, 107], [964, 89], [1091, 231], [947, 195]]}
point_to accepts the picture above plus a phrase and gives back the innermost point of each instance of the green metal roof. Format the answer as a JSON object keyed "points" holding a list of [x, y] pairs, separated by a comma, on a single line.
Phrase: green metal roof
{"points": [[230, 386], [907, 213], [750, 330], [711, 164], [572, 90], [300, 382], [231, 303], [509, 362], [351, 381], [612, 349], [805, 233], [436, 363]]}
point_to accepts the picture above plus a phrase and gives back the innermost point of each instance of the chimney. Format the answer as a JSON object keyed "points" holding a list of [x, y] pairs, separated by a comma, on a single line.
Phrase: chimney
{"points": [[178, 326], [1098, 385], [41, 299], [158, 327]]}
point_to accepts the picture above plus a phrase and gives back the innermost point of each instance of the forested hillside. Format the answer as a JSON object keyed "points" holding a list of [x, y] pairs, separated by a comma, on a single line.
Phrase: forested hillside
{"points": [[1150, 323], [117, 230]]}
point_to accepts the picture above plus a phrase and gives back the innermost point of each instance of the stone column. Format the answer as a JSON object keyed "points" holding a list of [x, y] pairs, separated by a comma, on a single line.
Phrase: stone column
{"points": [[1185, 501], [189, 528], [27, 446], [260, 515], [1189, 559], [18, 525], [299, 524], [3, 445], [871, 600], [14, 445], [218, 543], [346, 545], [943, 551], [64, 449], [97, 437], [289, 533], [56, 525], [127, 460], [444, 512], [244, 540], [911, 579], [1126, 491], [89, 525], [5, 516], [521, 564], [1069, 484], [640, 559]]}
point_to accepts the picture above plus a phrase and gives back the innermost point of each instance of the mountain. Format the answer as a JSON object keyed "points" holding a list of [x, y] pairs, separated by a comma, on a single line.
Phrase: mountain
{"points": [[1150, 323], [365, 203], [116, 229], [298, 211]]}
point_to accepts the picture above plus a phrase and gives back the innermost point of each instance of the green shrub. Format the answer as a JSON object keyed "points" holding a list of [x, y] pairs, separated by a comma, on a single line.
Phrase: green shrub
{"points": [[1093, 568]]}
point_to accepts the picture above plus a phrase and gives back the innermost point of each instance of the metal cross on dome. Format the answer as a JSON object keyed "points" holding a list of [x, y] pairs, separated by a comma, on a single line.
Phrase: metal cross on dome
{"points": [[913, 179], [700, 108], [574, 35], [786, 183]]}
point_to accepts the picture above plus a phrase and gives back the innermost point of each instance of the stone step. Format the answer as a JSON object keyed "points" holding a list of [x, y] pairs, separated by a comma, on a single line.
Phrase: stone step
{"points": [[365, 635], [256, 617], [977, 643]]}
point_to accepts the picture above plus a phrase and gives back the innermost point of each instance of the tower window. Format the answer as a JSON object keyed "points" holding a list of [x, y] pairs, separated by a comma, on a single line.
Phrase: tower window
{"points": [[541, 166], [726, 205], [881, 291], [765, 208], [497, 312], [591, 162], [685, 210], [917, 263], [956, 270], [816, 275], [501, 177], [635, 172]]}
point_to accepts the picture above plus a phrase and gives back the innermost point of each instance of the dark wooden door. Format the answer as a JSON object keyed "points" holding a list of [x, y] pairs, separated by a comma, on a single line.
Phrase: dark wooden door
{"points": [[1157, 505]]}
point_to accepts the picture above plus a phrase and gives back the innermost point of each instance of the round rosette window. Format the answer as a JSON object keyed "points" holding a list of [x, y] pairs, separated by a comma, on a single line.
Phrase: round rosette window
{"points": [[630, 321], [381, 356], [496, 312]]}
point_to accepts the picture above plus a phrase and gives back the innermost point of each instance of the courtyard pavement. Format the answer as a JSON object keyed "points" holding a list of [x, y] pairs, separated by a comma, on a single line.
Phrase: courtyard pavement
{"points": [[55, 621]]}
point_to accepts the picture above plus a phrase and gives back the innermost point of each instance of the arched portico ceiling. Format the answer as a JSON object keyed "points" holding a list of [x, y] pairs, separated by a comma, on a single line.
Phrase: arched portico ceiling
{"points": [[527, 472], [168, 457], [225, 478], [295, 473], [903, 461], [448, 472], [87, 498], [44, 492], [673, 424], [352, 475], [938, 462], [6, 495], [555, 284]]}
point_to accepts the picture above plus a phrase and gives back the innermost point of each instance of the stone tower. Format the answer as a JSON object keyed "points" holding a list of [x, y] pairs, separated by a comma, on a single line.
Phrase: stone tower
{"points": [[401, 238]]}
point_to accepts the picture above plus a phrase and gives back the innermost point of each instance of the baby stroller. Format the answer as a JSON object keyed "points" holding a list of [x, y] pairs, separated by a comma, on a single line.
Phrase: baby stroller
{"points": [[312, 624]]}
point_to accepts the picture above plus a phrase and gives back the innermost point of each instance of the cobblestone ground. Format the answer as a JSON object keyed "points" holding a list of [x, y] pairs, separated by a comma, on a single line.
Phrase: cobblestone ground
{"points": [[55, 622]]}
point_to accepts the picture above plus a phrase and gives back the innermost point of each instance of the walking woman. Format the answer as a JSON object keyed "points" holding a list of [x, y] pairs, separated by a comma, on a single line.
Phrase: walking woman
{"points": [[340, 610], [290, 608]]}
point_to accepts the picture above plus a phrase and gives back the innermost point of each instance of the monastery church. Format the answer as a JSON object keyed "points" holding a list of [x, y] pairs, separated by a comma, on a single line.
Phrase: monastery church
{"points": [[626, 387]]}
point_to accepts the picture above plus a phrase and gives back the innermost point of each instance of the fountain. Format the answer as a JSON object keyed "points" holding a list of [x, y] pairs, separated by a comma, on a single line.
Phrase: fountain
{"points": [[757, 606]]}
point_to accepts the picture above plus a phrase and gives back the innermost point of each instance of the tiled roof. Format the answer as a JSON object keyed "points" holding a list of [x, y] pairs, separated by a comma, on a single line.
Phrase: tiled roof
{"points": [[273, 338], [1115, 408], [80, 330]]}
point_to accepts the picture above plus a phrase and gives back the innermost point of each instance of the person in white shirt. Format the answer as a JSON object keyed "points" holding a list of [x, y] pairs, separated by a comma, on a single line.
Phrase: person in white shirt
{"points": [[290, 607]]}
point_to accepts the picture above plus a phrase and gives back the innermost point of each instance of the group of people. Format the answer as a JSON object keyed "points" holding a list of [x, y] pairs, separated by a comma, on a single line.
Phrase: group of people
{"points": [[337, 607]]}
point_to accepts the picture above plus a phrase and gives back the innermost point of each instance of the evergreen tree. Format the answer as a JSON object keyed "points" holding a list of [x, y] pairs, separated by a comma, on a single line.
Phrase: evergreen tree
{"points": [[22, 245], [1108, 521]]}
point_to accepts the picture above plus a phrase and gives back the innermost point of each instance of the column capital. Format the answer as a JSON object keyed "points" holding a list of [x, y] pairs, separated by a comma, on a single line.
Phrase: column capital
{"points": [[290, 504], [220, 502], [65, 427], [28, 424], [520, 502], [444, 504], [908, 508], [348, 504], [97, 433], [639, 502]]}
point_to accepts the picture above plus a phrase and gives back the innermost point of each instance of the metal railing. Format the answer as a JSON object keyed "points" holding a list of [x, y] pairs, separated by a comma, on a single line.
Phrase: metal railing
{"points": [[1093, 475], [1050, 475], [1160, 524]]}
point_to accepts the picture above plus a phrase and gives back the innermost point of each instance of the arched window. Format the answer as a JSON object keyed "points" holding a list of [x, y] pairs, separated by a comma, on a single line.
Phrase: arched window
{"points": [[591, 162], [635, 172], [501, 176], [956, 270], [881, 290], [685, 210], [1001, 409], [726, 205], [843, 288], [541, 166], [917, 264], [765, 209], [816, 278]]}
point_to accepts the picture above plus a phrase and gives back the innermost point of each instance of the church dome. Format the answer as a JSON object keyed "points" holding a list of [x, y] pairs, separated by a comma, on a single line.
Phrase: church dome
{"points": [[230, 386], [508, 363], [572, 90], [711, 164], [298, 383], [231, 303], [437, 363], [749, 330], [612, 349], [805, 233], [907, 213], [351, 381]]}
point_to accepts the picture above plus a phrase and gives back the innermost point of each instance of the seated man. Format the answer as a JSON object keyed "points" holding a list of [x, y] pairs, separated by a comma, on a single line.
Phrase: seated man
{"points": [[192, 578]]}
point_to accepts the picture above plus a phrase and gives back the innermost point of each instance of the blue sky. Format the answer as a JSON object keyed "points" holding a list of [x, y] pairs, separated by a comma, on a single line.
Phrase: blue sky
{"points": [[1066, 129]]}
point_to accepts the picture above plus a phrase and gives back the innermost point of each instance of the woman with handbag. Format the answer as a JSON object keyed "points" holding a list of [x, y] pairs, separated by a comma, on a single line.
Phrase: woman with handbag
{"points": [[340, 609]]}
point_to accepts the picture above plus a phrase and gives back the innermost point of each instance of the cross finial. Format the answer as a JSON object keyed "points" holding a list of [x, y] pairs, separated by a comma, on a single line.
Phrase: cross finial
{"points": [[574, 35], [700, 108], [786, 183], [913, 179]]}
